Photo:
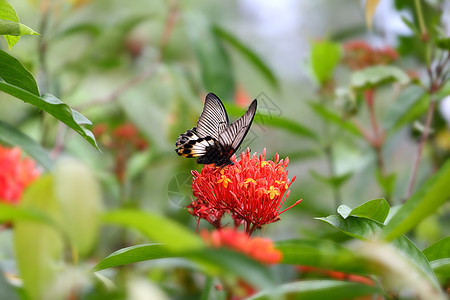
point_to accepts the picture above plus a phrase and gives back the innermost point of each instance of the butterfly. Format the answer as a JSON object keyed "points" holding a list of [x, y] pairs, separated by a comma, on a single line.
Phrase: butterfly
{"points": [[214, 140]]}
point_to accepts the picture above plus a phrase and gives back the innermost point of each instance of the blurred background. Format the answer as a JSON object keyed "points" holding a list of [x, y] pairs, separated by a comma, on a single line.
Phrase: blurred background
{"points": [[140, 71]]}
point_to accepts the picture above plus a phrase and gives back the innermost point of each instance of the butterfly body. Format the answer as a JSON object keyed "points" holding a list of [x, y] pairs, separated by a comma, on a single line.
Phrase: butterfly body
{"points": [[214, 140]]}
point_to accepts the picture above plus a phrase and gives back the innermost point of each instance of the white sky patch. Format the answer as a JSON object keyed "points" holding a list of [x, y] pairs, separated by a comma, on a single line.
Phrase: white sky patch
{"points": [[444, 108]]}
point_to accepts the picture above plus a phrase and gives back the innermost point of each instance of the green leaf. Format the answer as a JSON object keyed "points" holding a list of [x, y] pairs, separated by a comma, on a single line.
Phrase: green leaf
{"points": [[439, 256], [424, 202], [334, 181], [334, 118], [10, 26], [410, 105], [15, 29], [441, 267], [249, 54], [411, 26], [376, 209], [56, 108], [160, 229], [13, 137], [38, 247], [13, 72], [7, 12], [325, 56], [224, 261], [80, 200], [386, 182], [438, 250], [323, 254], [366, 229], [213, 261], [215, 64], [133, 254], [19, 83], [377, 75], [318, 289], [10, 213], [443, 43]]}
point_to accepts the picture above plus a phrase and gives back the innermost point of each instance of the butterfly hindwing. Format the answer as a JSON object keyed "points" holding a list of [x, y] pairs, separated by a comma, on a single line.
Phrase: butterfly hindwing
{"points": [[214, 118], [234, 134]]}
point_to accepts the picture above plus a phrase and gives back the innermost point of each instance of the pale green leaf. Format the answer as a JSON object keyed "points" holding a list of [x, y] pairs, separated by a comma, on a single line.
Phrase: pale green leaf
{"points": [[424, 202]]}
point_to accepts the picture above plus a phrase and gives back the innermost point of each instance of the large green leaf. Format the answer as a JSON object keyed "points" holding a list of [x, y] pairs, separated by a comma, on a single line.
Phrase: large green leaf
{"points": [[318, 289], [9, 24], [323, 254], [325, 56], [80, 201], [249, 54], [378, 75], [13, 137], [376, 209], [157, 228], [424, 202], [214, 261], [334, 118], [411, 104], [56, 108], [215, 64], [13, 72], [38, 247], [19, 83], [366, 229]]}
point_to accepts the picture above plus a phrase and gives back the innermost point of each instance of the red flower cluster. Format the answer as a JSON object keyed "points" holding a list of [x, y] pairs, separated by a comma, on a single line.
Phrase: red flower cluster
{"points": [[252, 191], [16, 174], [359, 55], [260, 249]]}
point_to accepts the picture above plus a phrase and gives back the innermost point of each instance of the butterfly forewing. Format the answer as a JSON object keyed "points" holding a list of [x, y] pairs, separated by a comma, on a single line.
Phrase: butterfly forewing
{"points": [[214, 118], [233, 135]]}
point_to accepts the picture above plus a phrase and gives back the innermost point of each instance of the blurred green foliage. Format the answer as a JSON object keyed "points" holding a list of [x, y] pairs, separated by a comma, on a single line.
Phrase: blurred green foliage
{"points": [[129, 78]]}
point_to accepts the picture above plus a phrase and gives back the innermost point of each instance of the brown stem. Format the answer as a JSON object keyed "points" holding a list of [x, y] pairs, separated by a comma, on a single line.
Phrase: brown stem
{"points": [[423, 139]]}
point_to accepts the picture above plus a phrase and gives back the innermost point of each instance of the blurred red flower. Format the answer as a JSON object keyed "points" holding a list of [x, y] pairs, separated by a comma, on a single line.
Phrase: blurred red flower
{"points": [[359, 55], [252, 191], [260, 249], [16, 174]]}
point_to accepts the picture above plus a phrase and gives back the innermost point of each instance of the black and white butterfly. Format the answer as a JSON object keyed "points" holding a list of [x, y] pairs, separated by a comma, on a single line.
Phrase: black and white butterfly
{"points": [[214, 140]]}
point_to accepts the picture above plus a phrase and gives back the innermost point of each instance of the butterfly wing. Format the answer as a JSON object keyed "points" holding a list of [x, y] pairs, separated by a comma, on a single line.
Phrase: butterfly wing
{"points": [[231, 138], [214, 118]]}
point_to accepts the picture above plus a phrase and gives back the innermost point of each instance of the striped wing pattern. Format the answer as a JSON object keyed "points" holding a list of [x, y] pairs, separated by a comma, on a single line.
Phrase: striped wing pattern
{"points": [[234, 134], [213, 140], [214, 118]]}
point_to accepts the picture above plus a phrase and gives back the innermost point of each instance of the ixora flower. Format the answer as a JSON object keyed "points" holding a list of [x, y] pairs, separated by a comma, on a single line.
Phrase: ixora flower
{"points": [[16, 174], [260, 249], [252, 190]]}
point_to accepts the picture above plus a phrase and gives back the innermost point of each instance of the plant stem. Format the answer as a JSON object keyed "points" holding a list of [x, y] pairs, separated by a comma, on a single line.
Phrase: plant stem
{"points": [[423, 29], [329, 154], [377, 140], [423, 139], [207, 288]]}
